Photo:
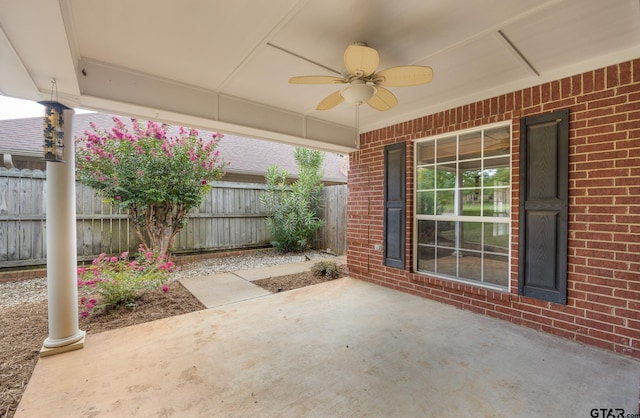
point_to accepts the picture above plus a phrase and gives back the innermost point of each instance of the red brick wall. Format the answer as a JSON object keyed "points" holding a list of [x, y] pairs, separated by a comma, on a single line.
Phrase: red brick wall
{"points": [[604, 214]]}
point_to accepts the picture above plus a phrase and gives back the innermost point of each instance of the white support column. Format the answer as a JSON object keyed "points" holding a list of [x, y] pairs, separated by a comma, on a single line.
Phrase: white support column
{"points": [[64, 332]]}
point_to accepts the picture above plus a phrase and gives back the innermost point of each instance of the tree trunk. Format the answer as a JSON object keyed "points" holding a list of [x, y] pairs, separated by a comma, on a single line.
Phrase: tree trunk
{"points": [[162, 223]]}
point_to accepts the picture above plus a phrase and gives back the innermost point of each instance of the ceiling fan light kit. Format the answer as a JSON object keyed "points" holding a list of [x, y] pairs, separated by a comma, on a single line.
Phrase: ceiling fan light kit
{"points": [[365, 85], [358, 93]]}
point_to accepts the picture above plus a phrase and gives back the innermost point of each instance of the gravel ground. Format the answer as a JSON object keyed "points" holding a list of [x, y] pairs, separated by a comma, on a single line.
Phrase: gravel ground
{"points": [[35, 290]]}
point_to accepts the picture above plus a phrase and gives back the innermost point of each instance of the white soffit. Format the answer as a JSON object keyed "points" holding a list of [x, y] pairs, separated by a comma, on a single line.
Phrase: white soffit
{"points": [[11, 67], [193, 42], [556, 37], [41, 44]]}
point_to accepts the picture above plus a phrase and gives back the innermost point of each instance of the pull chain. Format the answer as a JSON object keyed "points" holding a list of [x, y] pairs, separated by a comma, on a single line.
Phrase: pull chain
{"points": [[358, 126]]}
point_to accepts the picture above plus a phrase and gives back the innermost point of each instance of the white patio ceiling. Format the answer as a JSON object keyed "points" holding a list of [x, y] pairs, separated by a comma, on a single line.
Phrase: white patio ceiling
{"points": [[221, 64]]}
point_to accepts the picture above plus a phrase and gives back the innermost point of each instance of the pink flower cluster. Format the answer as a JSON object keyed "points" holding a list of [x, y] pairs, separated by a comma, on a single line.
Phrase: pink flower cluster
{"points": [[88, 305], [91, 283], [167, 266]]}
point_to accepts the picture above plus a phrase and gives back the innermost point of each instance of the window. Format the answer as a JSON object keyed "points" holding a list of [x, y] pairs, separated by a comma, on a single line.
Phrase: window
{"points": [[463, 205]]}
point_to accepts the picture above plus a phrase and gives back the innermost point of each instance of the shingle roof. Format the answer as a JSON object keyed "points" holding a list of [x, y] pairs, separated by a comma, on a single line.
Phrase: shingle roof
{"points": [[247, 155]]}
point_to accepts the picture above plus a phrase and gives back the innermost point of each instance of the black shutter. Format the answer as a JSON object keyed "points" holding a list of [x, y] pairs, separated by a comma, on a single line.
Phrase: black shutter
{"points": [[394, 204], [544, 202]]}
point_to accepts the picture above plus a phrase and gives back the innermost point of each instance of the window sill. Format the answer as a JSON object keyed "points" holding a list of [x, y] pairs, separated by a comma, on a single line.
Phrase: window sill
{"points": [[454, 283]]}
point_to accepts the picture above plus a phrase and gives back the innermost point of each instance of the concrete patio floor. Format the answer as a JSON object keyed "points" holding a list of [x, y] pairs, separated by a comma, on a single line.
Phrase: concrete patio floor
{"points": [[341, 348]]}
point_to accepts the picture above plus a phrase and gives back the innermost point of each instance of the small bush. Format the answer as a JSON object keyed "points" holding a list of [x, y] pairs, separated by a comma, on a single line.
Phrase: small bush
{"points": [[329, 269], [119, 281]]}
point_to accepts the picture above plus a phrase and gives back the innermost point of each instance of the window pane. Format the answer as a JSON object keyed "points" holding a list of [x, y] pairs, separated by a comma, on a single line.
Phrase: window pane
{"points": [[446, 234], [470, 173], [446, 149], [446, 176], [447, 261], [496, 237], [497, 141], [425, 178], [425, 203], [471, 235], [470, 264], [445, 202], [496, 173], [496, 269], [497, 202], [470, 146], [426, 152], [471, 204], [426, 232], [426, 258]]}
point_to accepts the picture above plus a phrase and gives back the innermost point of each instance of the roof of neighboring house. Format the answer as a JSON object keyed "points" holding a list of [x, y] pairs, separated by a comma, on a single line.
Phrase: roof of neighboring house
{"points": [[248, 156]]}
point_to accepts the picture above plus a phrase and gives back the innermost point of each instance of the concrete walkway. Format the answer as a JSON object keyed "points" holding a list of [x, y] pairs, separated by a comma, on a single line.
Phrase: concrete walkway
{"points": [[221, 289], [340, 348]]}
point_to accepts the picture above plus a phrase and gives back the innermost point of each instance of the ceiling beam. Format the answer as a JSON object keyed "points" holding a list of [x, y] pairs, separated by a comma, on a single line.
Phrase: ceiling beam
{"points": [[112, 89]]}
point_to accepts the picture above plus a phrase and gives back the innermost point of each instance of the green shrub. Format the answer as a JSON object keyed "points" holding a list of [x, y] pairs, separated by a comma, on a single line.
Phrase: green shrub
{"points": [[293, 210], [329, 269]]}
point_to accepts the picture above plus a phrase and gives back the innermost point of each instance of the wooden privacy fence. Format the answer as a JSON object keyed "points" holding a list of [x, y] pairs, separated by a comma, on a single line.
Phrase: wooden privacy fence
{"points": [[333, 235], [231, 216]]}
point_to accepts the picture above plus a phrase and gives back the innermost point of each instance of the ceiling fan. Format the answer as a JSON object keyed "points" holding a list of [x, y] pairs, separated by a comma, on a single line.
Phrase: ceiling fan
{"points": [[364, 84]]}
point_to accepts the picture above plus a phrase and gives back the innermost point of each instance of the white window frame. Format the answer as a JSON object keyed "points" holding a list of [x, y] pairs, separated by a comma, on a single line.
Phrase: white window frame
{"points": [[460, 218]]}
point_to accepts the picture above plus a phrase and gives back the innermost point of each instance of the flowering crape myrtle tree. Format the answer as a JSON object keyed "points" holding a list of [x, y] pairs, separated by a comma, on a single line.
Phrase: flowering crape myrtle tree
{"points": [[156, 177]]}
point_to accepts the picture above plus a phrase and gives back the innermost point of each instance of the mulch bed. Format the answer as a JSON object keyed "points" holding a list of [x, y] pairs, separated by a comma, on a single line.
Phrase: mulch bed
{"points": [[292, 281]]}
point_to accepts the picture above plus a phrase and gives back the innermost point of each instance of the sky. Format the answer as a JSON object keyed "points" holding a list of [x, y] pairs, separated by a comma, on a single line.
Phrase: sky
{"points": [[11, 108]]}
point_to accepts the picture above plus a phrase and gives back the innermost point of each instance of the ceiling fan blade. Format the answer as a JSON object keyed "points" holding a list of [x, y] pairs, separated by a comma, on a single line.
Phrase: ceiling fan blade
{"points": [[404, 76], [361, 61], [382, 100], [316, 79], [331, 101]]}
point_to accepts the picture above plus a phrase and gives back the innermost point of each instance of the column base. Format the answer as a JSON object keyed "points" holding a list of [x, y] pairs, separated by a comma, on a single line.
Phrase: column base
{"points": [[50, 351]]}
